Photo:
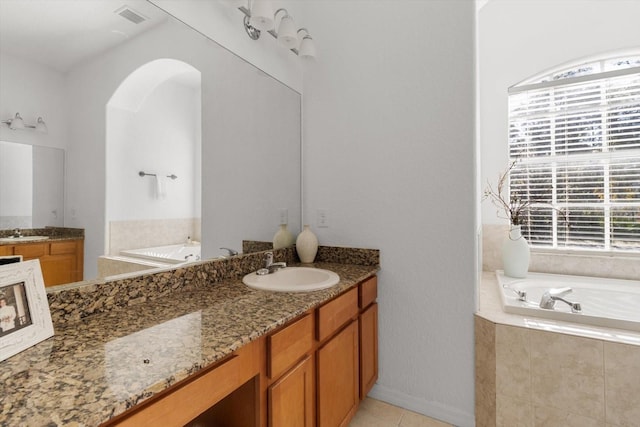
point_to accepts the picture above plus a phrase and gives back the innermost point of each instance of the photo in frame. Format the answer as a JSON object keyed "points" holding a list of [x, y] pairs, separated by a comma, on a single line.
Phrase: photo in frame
{"points": [[25, 319]]}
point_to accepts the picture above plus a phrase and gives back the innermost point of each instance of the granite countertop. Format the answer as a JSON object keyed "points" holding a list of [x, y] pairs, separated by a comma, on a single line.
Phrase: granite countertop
{"points": [[98, 367], [51, 234]]}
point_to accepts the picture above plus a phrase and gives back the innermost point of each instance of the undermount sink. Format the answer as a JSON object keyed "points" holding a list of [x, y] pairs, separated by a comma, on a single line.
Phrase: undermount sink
{"points": [[292, 279], [22, 239]]}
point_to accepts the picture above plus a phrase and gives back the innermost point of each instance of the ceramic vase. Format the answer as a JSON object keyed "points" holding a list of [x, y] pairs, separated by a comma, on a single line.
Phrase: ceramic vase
{"points": [[283, 238], [515, 254], [307, 245]]}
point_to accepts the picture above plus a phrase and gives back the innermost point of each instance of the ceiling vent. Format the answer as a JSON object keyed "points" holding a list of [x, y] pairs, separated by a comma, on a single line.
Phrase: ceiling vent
{"points": [[131, 15]]}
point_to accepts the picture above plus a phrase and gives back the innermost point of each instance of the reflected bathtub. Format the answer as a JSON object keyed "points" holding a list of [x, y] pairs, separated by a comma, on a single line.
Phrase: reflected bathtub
{"points": [[171, 254], [605, 302]]}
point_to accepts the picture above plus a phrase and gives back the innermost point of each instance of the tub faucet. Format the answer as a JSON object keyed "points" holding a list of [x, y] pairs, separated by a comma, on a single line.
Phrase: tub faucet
{"points": [[269, 265], [550, 297]]}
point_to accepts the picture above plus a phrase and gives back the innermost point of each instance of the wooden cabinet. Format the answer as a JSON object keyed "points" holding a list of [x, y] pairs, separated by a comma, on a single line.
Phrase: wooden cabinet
{"points": [[61, 261], [337, 360], [292, 397], [338, 378], [313, 371], [368, 335], [291, 393]]}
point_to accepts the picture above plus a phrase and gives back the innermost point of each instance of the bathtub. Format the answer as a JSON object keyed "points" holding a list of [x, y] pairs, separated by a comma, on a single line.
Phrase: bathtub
{"points": [[611, 303], [171, 254]]}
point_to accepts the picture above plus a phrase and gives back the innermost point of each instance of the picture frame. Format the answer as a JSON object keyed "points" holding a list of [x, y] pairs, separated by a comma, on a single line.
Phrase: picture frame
{"points": [[25, 319]]}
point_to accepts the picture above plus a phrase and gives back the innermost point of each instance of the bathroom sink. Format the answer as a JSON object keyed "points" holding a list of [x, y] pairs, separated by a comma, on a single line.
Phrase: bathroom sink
{"points": [[22, 239], [292, 279]]}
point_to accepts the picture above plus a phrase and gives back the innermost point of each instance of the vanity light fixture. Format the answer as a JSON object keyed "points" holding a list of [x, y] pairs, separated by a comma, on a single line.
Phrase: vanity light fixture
{"points": [[259, 17], [287, 34], [17, 123], [307, 48]]}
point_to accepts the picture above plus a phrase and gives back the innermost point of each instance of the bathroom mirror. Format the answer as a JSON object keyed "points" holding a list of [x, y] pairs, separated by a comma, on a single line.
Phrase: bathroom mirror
{"points": [[70, 61], [31, 186]]}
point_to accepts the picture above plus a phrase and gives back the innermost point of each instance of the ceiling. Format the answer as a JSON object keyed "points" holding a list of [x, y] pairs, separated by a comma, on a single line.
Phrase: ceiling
{"points": [[63, 33]]}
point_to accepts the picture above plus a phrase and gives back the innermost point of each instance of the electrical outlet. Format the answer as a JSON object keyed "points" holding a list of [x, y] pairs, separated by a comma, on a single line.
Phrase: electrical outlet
{"points": [[322, 218], [284, 216]]}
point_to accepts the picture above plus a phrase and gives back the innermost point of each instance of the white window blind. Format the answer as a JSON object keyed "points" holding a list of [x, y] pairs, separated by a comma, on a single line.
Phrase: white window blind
{"points": [[576, 141]]}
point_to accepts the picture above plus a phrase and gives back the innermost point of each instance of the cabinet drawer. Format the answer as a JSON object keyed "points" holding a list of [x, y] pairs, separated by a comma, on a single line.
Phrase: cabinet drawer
{"points": [[31, 251], [336, 313], [288, 345], [60, 248], [368, 292], [6, 250]]}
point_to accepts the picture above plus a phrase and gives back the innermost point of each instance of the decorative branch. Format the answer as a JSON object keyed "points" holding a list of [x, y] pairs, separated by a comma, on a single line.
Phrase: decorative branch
{"points": [[513, 207]]}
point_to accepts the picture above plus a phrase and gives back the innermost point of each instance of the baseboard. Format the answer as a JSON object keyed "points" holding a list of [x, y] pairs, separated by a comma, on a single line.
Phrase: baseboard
{"points": [[430, 409]]}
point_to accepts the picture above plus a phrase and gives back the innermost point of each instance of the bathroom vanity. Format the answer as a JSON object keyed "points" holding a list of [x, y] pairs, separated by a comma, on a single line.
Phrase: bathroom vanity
{"points": [[61, 255], [216, 353], [306, 370]]}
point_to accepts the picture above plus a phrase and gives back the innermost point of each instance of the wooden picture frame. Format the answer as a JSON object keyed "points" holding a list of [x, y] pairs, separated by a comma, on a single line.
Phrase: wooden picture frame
{"points": [[25, 319]]}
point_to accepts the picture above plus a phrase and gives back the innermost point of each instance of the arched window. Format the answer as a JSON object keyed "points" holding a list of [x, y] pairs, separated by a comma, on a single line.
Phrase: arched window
{"points": [[574, 134]]}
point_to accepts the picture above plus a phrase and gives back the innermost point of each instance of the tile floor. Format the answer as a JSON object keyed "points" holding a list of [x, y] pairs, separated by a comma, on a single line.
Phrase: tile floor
{"points": [[375, 413]]}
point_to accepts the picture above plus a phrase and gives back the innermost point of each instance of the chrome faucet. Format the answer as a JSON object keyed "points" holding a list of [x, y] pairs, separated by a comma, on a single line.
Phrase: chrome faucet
{"points": [[17, 233], [269, 265], [232, 252], [552, 295]]}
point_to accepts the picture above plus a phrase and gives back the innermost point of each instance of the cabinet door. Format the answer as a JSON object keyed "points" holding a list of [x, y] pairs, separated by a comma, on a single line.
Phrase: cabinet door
{"points": [[338, 378], [292, 399], [58, 269], [368, 325]]}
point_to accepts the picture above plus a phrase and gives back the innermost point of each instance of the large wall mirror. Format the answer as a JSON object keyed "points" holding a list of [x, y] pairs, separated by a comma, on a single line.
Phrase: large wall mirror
{"points": [[126, 88]]}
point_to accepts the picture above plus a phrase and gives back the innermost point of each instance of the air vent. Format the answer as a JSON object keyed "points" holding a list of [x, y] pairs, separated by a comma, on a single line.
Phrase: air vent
{"points": [[131, 15]]}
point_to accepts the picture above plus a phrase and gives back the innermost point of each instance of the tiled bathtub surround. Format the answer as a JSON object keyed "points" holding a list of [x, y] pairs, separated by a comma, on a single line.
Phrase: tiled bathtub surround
{"points": [[616, 267], [151, 233], [94, 367], [529, 374]]}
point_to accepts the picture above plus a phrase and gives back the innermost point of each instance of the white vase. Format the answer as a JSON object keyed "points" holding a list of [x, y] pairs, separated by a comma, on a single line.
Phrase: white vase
{"points": [[515, 254], [283, 238], [307, 245]]}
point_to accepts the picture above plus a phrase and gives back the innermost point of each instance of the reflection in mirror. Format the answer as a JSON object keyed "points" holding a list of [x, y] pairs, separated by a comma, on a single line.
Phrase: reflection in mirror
{"points": [[31, 186], [237, 162]]}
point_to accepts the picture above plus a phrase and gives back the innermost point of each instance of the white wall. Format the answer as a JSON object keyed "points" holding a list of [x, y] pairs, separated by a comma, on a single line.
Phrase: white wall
{"points": [[160, 138], [389, 153], [519, 39], [33, 90]]}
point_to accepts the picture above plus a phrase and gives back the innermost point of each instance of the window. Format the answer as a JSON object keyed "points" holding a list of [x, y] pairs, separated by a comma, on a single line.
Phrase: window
{"points": [[575, 137]]}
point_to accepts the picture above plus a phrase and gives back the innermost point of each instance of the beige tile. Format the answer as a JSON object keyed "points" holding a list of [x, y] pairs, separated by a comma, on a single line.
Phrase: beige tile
{"points": [[567, 373], [378, 410], [511, 411], [622, 384], [365, 419], [513, 362], [485, 372], [375, 413], [411, 419], [553, 417]]}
